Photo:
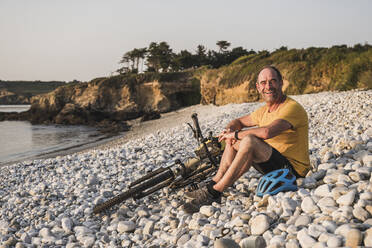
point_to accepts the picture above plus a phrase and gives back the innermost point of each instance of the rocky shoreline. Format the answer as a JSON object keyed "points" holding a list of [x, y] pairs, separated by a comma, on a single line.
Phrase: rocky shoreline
{"points": [[49, 202], [107, 103]]}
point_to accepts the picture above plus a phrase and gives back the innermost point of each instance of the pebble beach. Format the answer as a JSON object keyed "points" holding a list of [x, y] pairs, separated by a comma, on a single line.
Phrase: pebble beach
{"points": [[49, 202]]}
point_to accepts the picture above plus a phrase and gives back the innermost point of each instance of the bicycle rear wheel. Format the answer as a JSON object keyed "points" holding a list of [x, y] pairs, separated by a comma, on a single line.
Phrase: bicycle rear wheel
{"points": [[133, 192]]}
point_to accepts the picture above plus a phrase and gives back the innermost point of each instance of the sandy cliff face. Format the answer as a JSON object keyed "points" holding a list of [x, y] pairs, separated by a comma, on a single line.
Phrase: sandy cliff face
{"points": [[216, 88], [213, 92]]}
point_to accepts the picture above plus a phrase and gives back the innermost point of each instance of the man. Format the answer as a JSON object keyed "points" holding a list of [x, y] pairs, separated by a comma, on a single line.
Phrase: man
{"points": [[279, 140]]}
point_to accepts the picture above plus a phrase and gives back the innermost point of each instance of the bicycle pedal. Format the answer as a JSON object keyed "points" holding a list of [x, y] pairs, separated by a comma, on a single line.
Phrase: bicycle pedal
{"points": [[192, 187]]}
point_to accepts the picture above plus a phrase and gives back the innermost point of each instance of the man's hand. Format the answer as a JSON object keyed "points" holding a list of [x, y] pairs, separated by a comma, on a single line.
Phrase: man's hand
{"points": [[224, 131], [228, 135]]}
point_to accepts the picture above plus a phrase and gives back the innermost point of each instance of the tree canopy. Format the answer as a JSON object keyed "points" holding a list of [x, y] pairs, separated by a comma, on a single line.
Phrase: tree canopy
{"points": [[352, 64], [159, 57]]}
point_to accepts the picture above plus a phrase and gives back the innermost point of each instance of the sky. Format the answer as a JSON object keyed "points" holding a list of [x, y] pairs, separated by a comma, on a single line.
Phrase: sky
{"points": [[69, 40]]}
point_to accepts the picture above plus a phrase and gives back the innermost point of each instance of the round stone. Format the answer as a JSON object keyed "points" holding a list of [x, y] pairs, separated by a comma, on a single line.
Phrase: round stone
{"points": [[323, 190], [88, 241], [253, 241], [4, 227], [149, 228], [67, 224], [360, 213], [308, 205], [259, 224], [302, 220], [330, 226], [225, 243], [368, 237], [289, 204], [45, 232], [347, 199], [334, 241], [207, 210], [126, 226], [353, 238], [92, 180], [343, 230], [183, 239], [366, 196], [26, 238], [315, 230], [305, 239]]}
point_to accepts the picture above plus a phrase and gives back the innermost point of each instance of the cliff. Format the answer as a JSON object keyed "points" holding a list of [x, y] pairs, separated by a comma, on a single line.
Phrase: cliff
{"points": [[107, 102], [10, 98], [20, 92]]}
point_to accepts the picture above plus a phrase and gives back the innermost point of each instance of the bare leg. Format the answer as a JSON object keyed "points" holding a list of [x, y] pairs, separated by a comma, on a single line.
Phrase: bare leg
{"points": [[226, 160], [250, 149]]}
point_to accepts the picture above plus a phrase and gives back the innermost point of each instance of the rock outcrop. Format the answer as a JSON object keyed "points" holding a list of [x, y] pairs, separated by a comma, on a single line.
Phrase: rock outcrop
{"points": [[108, 100], [21, 92], [7, 97], [214, 92]]}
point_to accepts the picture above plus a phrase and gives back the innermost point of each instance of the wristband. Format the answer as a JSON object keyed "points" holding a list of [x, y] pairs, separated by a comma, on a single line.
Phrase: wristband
{"points": [[236, 135]]}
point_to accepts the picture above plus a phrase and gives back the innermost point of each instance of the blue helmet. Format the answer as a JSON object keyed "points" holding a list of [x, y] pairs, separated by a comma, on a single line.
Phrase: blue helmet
{"points": [[276, 181]]}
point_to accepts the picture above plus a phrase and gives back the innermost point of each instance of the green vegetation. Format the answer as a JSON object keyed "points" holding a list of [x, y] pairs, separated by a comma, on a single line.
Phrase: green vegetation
{"points": [[304, 70], [30, 88], [307, 70], [133, 79], [159, 57]]}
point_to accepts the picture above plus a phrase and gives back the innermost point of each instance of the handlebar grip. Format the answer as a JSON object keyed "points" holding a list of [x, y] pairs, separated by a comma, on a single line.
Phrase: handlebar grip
{"points": [[194, 117]]}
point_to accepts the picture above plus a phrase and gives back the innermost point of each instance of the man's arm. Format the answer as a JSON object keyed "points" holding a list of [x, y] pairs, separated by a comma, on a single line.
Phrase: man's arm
{"points": [[269, 131], [266, 132], [240, 123]]}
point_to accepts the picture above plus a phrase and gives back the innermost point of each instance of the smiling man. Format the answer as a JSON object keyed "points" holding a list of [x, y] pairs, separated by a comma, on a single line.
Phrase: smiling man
{"points": [[278, 138]]}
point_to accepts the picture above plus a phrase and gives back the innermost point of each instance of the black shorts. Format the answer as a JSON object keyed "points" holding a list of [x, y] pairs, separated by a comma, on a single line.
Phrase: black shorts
{"points": [[276, 161]]}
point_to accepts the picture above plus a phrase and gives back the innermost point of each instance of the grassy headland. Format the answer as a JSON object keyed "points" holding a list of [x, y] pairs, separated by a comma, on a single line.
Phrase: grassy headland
{"points": [[307, 70], [30, 88]]}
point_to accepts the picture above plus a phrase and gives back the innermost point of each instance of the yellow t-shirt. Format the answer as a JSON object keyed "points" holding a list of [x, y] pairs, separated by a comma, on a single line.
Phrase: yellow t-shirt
{"points": [[292, 143]]}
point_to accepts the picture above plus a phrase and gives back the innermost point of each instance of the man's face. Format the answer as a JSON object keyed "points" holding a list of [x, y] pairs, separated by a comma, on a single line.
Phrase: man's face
{"points": [[269, 86]]}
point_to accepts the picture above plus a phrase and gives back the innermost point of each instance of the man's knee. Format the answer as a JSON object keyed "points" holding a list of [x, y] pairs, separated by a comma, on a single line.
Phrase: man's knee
{"points": [[248, 142]]}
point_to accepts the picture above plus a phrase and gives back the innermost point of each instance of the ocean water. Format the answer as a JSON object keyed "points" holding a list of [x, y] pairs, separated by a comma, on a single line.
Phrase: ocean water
{"points": [[19, 140], [14, 108]]}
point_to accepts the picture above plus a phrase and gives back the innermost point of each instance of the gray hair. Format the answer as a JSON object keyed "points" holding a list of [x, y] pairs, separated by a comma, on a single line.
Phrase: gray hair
{"points": [[274, 69]]}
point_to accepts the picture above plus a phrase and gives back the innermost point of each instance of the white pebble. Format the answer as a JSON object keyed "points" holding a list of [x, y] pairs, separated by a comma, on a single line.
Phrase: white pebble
{"points": [[305, 239], [323, 191], [207, 210], [259, 224], [126, 226], [67, 224], [308, 205], [347, 199]]}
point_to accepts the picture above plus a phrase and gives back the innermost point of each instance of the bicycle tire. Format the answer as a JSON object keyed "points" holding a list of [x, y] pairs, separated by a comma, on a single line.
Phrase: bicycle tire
{"points": [[133, 192]]}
